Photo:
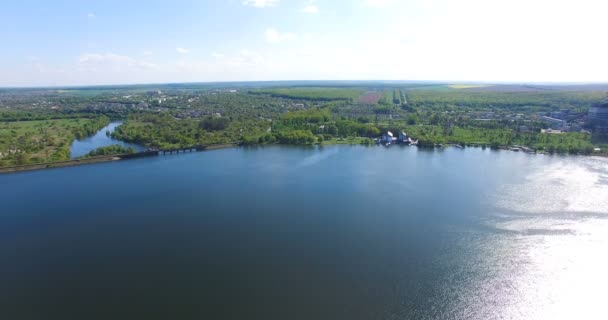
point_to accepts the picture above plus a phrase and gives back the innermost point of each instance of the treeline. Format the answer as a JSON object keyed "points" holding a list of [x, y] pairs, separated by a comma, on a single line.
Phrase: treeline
{"points": [[310, 126], [164, 131], [312, 94], [573, 143], [90, 127], [214, 123], [535, 101], [110, 150], [290, 137], [298, 118], [18, 115], [320, 121], [159, 131]]}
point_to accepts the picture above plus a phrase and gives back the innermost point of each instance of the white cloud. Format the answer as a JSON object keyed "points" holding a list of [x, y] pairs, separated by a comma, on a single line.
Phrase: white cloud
{"points": [[182, 50], [217, 55], [261, 3], [111, 61], [148, 53], [91, 16], [312, 9], [274, 36]]}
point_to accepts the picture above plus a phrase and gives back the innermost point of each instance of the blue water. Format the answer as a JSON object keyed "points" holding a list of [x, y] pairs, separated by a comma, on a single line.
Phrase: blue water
{"points": [[82, 147], [308, 233]]}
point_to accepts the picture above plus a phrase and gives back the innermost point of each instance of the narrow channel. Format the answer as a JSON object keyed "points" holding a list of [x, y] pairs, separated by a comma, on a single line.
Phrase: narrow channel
{"points": [[82, 147]]}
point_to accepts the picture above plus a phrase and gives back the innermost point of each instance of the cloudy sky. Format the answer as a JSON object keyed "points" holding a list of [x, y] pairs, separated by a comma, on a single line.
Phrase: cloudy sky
{"points": [[69, 42]]}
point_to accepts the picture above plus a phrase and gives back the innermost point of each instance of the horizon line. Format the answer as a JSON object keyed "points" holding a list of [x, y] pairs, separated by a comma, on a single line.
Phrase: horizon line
{"points": [[441, 82]]}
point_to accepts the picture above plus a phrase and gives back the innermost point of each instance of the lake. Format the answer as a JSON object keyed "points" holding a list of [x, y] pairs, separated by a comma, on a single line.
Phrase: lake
{"points": [[340, 232], [82, 147]]}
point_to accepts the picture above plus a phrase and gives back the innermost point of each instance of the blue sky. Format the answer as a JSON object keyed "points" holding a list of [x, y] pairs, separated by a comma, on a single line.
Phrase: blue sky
{"points": [[120, 42]]}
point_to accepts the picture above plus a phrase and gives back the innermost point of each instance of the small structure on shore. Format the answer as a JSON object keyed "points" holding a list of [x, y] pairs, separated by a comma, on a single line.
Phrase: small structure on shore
{"points": [[387, 138]]}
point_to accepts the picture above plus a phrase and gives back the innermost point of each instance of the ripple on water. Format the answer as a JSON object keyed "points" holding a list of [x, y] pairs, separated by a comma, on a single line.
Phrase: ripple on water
{"points": [[562, 186], [546, 261]]}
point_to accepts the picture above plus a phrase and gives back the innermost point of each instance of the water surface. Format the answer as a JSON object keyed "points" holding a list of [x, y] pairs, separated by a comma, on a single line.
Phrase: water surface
{"points": [[82, 147], [308, 233]]}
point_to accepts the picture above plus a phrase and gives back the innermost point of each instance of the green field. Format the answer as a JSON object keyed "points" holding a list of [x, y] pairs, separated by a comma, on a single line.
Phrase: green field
{"points": [[26, 142], [314, 94], [89, 93]]}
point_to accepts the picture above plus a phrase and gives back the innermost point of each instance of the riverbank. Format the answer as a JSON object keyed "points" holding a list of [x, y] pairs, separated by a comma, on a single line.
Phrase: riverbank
{"points": [[154, 153], [102, 138], [60, 164], [95, 160]]}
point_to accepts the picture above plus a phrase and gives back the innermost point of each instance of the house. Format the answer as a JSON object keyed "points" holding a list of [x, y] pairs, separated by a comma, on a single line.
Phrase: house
{"points": [[387, 137]]}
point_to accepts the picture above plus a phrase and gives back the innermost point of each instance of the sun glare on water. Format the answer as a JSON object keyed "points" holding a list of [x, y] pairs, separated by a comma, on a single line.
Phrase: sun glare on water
{"points": [[557, 231]]}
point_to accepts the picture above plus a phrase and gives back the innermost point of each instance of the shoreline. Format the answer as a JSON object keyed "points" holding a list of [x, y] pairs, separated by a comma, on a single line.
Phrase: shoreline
{"points": [[95, 160], [145, 154], [60, 164]]}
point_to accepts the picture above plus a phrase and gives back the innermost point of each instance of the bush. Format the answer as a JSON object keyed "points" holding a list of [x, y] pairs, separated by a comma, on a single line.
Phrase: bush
{"points": [[297, 137], [214, 124], [110, 150]]}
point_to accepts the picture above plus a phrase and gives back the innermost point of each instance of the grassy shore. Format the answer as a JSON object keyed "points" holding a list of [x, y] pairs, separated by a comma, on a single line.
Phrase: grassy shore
{"points": [[92, 160], [59, 164]]}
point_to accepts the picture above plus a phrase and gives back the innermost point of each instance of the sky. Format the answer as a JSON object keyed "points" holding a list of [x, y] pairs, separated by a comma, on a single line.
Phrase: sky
{"points": [[69, 42]]}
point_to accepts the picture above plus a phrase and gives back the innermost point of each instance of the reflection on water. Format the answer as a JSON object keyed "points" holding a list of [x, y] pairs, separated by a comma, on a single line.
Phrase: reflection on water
{"points": [[551, 261], [564, 185], [309, 233], [82, 147]]}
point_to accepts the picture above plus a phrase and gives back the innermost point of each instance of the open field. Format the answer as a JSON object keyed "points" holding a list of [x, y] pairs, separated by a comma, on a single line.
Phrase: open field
{"points": [[25, 142], [314, 94], [468, 86], [370, 97]]}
